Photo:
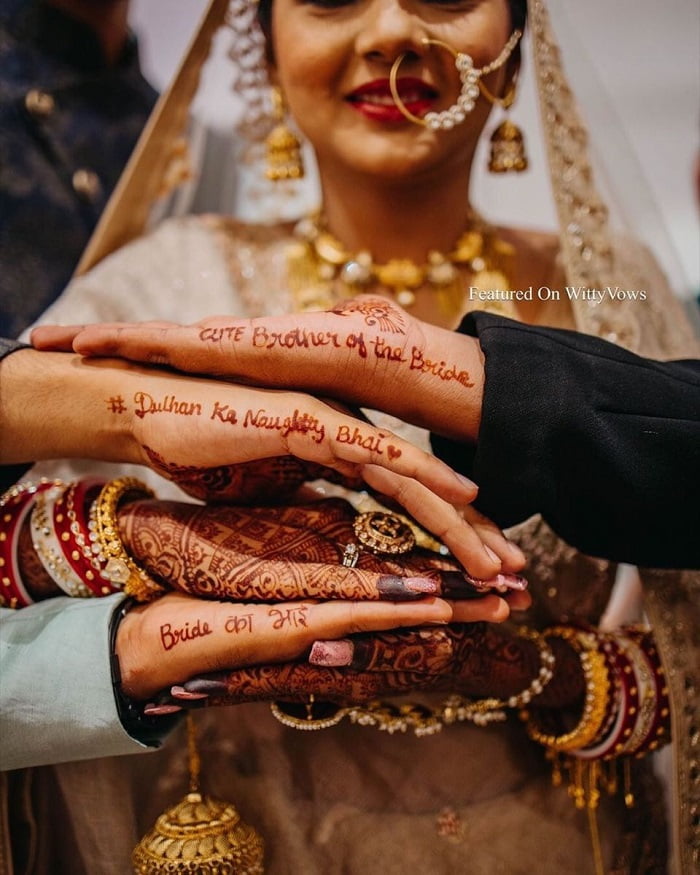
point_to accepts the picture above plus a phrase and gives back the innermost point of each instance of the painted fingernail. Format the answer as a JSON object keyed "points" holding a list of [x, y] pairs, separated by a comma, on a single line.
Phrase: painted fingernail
{"points": [[421, 585], [502, 582], [392, 586], [154, 709], [332, 653], [179, 692], [456, 585], [207, 686]]}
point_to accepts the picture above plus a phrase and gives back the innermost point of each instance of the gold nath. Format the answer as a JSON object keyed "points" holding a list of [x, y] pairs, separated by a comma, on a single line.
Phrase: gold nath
{"points": [[321, 271]]}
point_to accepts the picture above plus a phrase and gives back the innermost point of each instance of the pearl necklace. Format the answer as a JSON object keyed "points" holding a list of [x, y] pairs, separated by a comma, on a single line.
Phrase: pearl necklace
{"points": [[321, 271]]}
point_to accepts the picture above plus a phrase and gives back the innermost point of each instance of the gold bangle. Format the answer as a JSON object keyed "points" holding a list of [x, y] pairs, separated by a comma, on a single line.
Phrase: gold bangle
{"points": [[121, 569], [597, 693]]}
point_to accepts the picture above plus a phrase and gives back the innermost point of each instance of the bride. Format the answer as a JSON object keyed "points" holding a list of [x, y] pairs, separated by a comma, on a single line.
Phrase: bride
{"points": [[394, 96]]}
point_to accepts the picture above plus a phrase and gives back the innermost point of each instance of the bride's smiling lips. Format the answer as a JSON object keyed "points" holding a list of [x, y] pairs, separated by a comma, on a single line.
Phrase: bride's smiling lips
{"points": [[374, 100]]}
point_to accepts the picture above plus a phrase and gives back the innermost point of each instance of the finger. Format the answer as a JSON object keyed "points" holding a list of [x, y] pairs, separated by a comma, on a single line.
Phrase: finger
{"points": [[511, 555], [276, 633], [269, 580], [290, 682], [58, 338], [519, 601], [443, 520], [361, 443], [178, 346], [225, 346]]}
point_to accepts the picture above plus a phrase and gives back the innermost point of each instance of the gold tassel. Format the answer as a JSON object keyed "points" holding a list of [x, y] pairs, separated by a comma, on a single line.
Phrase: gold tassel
{"points": [[592, 809], [199, 834], [507, 149], [283, 147]]}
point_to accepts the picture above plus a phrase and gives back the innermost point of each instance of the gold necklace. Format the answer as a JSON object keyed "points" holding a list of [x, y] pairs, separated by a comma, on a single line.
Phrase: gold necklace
{"points": [[321, 271]]}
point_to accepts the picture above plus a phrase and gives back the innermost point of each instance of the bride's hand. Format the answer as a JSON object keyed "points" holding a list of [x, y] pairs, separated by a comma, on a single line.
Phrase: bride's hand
{"points": [[475, 660], [287, 553], [472, 539], [367, 351]]}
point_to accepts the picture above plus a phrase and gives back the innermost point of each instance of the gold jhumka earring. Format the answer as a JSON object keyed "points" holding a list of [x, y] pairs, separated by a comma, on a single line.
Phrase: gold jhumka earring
{"points": [[284, 160], [199, 834], [507, 141]]}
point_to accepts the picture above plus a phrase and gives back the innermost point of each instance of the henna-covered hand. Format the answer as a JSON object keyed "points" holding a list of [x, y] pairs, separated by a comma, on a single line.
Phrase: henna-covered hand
{"points": [[260, 482], [285, 553], [178, 637], [475, 660]]}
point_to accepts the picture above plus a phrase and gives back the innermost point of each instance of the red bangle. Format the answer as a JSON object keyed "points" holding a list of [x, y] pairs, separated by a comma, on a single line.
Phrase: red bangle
{"points": [[15, 505], [81, 552]]}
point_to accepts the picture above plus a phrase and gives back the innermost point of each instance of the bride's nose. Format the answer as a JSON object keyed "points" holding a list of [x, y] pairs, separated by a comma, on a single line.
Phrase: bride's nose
{"points": [[390, 28]]}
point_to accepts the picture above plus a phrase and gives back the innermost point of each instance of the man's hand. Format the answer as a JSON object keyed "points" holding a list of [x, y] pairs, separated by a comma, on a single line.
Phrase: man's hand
{"points": [[366, 351]]}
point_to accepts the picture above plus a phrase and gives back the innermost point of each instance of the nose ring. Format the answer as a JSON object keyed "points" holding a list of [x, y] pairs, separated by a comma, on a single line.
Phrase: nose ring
{"points": [[469, 75]]}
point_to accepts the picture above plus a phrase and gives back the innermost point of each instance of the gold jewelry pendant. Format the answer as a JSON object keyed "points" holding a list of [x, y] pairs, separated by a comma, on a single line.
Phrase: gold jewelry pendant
{"points": [[284, 160], [507, 149], [199, 834]]}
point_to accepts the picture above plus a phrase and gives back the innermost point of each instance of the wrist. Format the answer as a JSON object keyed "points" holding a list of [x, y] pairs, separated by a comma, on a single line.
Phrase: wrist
{"points": [[449, 384], [165, 642], [146, 729], [75, 398]]}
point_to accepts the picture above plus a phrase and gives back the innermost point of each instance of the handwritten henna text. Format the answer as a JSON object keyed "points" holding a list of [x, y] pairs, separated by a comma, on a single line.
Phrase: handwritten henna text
{"points": [[171, 636], [239, 623], [145, 403], [293, 617], [380, 346]]}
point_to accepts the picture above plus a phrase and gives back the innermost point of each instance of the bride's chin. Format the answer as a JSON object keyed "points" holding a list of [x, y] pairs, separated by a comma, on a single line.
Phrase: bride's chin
{"points": [[396, 162]]}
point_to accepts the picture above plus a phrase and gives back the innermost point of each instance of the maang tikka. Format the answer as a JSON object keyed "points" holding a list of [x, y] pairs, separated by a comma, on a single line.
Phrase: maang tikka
{"points": [[284, 161]]}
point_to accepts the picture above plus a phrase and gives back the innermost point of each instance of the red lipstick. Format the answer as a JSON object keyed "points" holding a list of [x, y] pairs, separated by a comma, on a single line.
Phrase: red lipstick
{"points": [[374, 100]]}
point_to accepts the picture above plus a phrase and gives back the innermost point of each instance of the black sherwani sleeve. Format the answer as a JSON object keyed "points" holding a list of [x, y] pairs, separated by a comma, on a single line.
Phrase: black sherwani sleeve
{"points": [[603, 443]]}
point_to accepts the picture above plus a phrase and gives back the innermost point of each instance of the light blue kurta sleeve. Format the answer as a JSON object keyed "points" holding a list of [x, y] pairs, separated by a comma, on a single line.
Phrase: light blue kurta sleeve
{"points": [[56, 697]]}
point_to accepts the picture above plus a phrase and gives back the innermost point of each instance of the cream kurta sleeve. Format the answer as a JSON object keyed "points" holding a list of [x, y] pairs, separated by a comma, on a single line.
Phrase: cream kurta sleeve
{"points": [[56, 698]]}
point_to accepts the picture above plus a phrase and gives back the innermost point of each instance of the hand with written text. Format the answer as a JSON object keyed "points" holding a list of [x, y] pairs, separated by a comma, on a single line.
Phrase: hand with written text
{"points": [[476, 660], [196, 431], [367, 351], [178, 637], [280, 571]]}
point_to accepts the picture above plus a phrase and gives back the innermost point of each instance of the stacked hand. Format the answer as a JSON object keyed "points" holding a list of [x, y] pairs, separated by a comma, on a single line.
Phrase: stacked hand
{"points": [[476, 660], [366, 351], [280, 571], [224, 442]]}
